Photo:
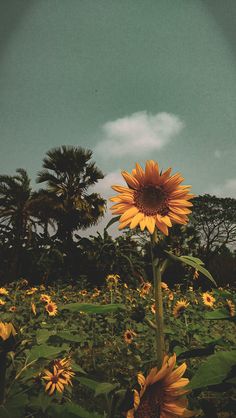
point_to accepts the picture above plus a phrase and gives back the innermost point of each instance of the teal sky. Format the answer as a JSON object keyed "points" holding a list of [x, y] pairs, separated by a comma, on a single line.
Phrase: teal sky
{"points": [[130, 79]]}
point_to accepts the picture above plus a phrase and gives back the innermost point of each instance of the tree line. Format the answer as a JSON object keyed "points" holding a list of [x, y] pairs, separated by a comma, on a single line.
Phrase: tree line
{"points": [[39, 229]]}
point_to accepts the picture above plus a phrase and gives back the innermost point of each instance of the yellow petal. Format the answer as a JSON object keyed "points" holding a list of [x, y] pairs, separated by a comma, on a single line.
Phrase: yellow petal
{"points": [[130, 180], [150, 224], [129, 214], [136, 219], [162, 227], [124, 224], [166, 220]]}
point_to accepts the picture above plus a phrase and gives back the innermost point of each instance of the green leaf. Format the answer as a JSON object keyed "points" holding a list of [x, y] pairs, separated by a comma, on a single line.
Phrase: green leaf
{"points": [[194, 259], [92, 308], [77, 368], [70, 337], [218, 314], [214, 370], [71, 410], [46, 351], [42, 335], [111, 222], [98, 387], [191, 261], [104, 388]]}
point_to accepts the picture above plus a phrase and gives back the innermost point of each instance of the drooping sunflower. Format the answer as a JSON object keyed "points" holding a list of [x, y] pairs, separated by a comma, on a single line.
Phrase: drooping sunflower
{"points": [[164, 286], [31, 291], [33, 308], [208, 299], [180, 307], [3, 291], [152, 198], [231, 307], [55, 380], [2, 302], [6, 330], [51, 308], [160, 393]]}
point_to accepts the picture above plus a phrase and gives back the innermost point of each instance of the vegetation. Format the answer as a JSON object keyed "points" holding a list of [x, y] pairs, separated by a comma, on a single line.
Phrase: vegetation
{"points": [[94, 327]]}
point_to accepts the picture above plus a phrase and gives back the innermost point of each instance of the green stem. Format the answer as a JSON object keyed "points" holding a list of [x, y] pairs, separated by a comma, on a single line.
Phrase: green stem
{"points": [[159, 317], [3, 366]]}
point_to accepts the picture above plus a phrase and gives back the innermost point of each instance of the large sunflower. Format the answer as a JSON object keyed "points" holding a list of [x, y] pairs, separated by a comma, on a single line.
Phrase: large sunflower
{"points": [[151, 199], [160, 393]]}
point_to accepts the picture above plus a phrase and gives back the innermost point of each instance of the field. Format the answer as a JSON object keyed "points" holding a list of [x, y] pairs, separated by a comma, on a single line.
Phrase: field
{"points": [[101, 338]]}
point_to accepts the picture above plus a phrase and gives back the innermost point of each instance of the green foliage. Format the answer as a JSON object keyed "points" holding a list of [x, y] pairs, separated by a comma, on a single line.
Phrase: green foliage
{"points": [[214, 371]]}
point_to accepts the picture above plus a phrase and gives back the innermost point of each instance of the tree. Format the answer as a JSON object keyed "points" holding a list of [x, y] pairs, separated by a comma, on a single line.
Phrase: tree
{"points": [[15, 194], [215, 220], [68, 173]]}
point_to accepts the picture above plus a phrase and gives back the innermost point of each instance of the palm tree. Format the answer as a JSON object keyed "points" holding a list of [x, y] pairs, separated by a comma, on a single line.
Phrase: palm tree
{"points": [[15, 194], [68, 173]]}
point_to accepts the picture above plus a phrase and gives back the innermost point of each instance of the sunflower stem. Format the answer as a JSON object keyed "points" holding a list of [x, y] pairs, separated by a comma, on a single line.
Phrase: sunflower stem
{"points": [[159, 319]]}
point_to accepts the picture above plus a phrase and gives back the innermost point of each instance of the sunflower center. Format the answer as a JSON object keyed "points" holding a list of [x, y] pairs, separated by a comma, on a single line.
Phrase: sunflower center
{"points": [[54, 379], [50, 308], [151, 200], [151, 402]]}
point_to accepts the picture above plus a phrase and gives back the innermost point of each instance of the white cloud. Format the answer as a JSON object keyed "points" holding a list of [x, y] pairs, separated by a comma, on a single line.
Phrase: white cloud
{"points": [[227, 189], [138, 133]]}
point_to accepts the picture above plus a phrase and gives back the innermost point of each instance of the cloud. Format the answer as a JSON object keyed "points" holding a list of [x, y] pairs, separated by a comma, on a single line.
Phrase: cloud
{"points": [[227, 189], [138, 133]]}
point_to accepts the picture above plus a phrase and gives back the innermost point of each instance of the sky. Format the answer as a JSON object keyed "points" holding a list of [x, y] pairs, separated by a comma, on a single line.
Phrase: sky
{"points": [[130, 79]]}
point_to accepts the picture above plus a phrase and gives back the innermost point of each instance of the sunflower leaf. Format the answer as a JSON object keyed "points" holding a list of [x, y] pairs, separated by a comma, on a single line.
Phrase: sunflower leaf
{"points": [[191, 261], [112, 221], [214, 370], [218, 314]]}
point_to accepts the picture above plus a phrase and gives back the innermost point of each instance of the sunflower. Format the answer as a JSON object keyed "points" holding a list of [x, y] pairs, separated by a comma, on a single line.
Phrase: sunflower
{"points": [[33, 308], [51, 308], [153, 308], [83, 292], [6, 330], [208, 299], [3, 291], [129, 335], [65, 365], [151, 199], [31, 291], [45, 298], [171, 296], [55, 380], [2, 302], [180, 307], [231, 307], [160, 393], [112, 279], [145, 289], [164, 286], [13, 308]]}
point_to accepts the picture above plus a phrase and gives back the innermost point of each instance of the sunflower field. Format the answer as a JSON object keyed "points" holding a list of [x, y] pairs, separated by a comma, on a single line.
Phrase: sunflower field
{"points": [[134, 346], [77, 353]]}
